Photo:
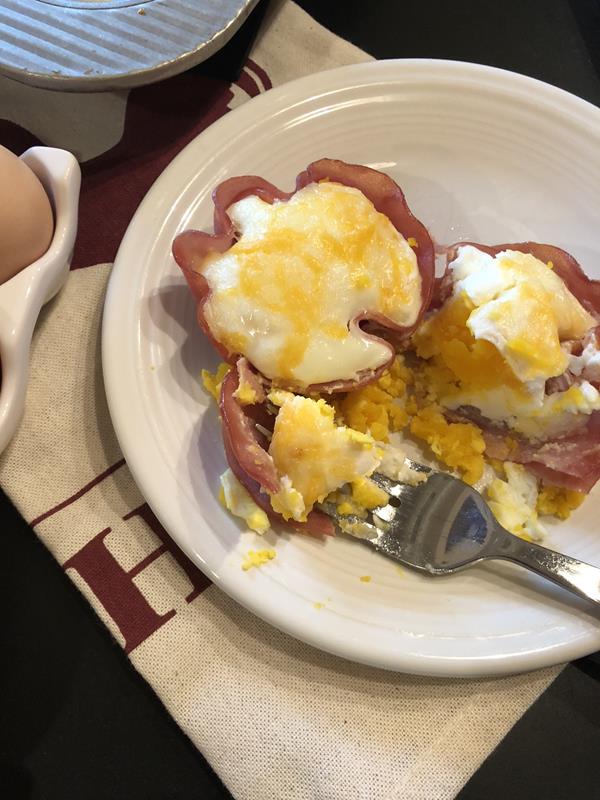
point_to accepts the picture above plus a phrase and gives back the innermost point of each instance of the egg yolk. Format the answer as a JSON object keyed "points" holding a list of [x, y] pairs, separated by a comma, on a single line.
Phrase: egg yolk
{"points": [[558, 501], [460, 445], [446, 339], [373, 408], [256, 558]]}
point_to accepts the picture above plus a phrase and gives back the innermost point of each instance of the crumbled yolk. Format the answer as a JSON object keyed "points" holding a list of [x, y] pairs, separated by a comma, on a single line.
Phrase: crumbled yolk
{"points": [[367, 494], [288, 501], [346, 505], [256, 558], [348, 508], [213, 381], [365, 578], [384, 407], [246, 394], [460, 445], [375, 408], [474, 363], [558, 501]]}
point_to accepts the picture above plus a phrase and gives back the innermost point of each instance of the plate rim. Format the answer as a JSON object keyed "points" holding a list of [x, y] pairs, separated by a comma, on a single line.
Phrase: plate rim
{"points": [[366, 73]]}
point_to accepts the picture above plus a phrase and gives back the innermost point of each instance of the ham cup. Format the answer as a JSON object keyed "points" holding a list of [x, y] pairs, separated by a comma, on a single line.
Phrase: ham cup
{"points": [[513, 330], [316, 287]]}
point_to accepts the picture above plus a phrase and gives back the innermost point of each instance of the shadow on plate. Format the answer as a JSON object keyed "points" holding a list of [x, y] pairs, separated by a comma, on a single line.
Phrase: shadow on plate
{"points": [[193, 352]]}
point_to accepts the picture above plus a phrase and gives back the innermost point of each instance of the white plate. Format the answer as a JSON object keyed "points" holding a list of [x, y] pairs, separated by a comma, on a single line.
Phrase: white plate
{"points": [[482, 154]]}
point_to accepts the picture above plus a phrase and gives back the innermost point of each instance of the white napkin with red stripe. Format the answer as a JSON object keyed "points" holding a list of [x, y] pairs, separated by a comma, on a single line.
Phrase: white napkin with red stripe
{"points": [[274, 717]]}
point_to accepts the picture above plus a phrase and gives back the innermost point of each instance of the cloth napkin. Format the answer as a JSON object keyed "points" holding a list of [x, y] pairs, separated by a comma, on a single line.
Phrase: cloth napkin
{"points": [[274, 717]]}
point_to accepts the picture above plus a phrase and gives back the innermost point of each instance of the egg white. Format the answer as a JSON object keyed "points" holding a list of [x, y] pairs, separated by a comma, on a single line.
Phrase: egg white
{"points": [[588, 363], [237, 500]]}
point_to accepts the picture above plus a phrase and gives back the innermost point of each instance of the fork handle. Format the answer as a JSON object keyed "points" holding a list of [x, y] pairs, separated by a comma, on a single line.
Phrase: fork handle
{"points": [[570, 573]]}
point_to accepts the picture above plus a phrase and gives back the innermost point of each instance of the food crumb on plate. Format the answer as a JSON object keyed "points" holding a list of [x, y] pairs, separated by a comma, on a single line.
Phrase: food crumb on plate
{"points": [[365, 578], [256, 558], [212, 381], [558, 501], [234, 497], [318, 606]]}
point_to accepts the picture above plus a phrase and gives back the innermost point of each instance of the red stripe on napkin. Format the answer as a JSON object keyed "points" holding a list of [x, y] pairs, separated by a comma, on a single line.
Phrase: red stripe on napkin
{"points": [[98, 479]]}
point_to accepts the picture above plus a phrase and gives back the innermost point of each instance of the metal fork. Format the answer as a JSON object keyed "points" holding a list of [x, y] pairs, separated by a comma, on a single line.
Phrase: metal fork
{"points": [[443, 525]]}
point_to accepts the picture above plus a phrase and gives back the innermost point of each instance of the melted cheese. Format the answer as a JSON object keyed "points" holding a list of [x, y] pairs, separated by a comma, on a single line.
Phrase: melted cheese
{"points": [[285, 294], [313, 455]]}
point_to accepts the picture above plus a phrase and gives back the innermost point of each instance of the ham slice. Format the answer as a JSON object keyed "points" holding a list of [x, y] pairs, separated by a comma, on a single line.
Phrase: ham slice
{"points": [[191, 247], [248, 377], [242, 438], [571, 461], [560, 384], [247, 456]]}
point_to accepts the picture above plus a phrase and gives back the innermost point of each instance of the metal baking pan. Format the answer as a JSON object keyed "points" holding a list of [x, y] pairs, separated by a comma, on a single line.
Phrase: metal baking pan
{"points": [[97, 45]]}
